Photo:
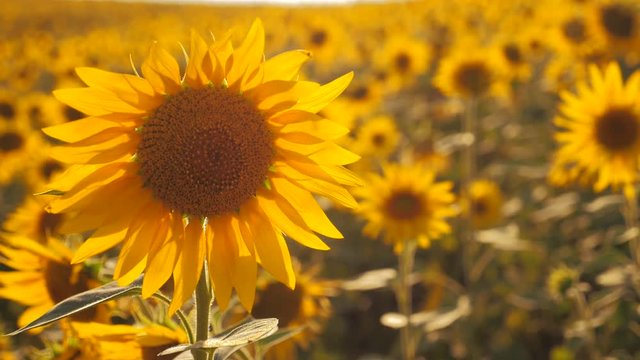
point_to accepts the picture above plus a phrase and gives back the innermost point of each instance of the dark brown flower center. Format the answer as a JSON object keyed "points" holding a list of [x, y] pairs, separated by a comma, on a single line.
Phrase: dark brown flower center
{"points": [[473, 78], [62, 283], [72, 114], [617, 129], [205, 152], [404, 205], [378, 139], [402, 62], [318, 37], [480, 206], [618, 20], [6, 110], [512, 53], [360, 92], [50, 167], [280, 302], [10, 141], [48, 224], [575, 30]]}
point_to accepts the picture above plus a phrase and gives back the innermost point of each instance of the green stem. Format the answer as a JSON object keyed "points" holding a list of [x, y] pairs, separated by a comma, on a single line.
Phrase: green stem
{"points": [[203, 305], [586, 314], [183, 319], [403, 295], [468, 173], [632, 225]]}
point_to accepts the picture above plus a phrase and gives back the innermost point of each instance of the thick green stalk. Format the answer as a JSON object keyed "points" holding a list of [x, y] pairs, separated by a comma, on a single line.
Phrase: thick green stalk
{"points": [[403, 296], [203, 305]]}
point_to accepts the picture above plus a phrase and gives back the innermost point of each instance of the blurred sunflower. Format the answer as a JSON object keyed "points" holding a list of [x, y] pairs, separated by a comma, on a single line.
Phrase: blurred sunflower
{"points": [[474, 74], [17, 143], [617, 24], [402, 59], [30, 220], [560, 280], [179, 183], [406, 203], [517, 59], [424, 153], [326, 39], [378, 137], [484, 199], [97, 341], [42, 168], [600, 130], [307, 306], [40, 110], [8, 107], [43, 276]]}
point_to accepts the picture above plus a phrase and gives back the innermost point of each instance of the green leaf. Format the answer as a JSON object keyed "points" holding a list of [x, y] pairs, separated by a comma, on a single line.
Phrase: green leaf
{"points": [[239, 336], [82, 301], [50, 192]]}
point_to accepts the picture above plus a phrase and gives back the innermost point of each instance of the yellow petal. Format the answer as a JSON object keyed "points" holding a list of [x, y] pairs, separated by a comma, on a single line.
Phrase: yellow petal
{"points": [[162, 71], [285, 66], [221, 262], [320, 98], [194, 75], [80, 129], [189, 265], [248, 56], [162, 262], [307, 206], [131, 89], [95, 101], [271, 248], [287, 220]]}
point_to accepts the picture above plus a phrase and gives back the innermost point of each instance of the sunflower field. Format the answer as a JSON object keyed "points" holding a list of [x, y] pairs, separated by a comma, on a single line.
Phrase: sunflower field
{"points": [[388, 180]]}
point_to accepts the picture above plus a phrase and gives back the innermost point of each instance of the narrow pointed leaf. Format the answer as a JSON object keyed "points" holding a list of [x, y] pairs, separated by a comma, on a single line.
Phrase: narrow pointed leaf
{"points": [[82, 301], [241, 335]]}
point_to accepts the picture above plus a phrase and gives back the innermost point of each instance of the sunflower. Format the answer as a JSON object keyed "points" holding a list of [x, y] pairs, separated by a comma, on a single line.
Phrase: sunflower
{"points": [[474, 74], [17, 144], [402, 59], [43, 276], [378, 137], [97, 341], [599, 132], [213, 164], [40, 110], [8, 107], [406, 203], [484, 199], [30, 220], [617, 24], [307, 306]]}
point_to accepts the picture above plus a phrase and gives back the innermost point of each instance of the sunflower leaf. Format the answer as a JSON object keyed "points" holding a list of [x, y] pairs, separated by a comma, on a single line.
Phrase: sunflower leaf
{"points": [[239, 336], [82, 301]]}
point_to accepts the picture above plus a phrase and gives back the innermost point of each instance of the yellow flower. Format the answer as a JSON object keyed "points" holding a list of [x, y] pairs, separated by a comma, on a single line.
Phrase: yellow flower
{"points": [[472, 74], [17, 144], [560, 281], [377, 137], [402, 59], [406, 203], [43, 276], [30, 220], [600, 130], [216, 163], [485, 199], [122, 342], [307, 306], [617, 24]]}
